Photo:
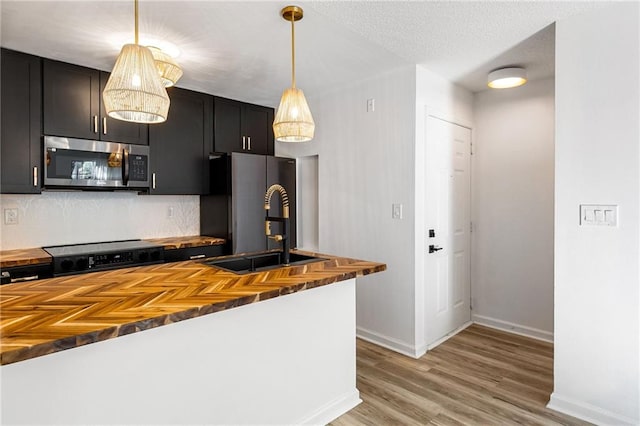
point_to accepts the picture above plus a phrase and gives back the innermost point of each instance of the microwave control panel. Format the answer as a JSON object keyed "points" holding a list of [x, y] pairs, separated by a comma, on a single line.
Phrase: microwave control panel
{"points": [[139, 165]]}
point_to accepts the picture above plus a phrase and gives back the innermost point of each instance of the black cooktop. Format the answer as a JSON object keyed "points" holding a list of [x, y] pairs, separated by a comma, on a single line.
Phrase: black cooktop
{"points": [[98, 248], [80, 258]]}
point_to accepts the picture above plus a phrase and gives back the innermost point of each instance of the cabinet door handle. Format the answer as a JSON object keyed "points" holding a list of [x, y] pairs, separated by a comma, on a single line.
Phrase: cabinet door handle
{"points": [[249, 144], [244, 138], [153, 181], [104, 125], [95, 124], [196, 256], [35, 176]]}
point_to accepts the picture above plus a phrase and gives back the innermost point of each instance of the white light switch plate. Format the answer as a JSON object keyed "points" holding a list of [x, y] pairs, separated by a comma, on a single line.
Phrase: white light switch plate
{"points": [[598, 215], [396, 211], [371, 105]]}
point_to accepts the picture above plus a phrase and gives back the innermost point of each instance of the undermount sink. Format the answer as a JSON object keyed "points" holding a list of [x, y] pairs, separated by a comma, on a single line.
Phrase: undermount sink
{"points": [[260, 262]]}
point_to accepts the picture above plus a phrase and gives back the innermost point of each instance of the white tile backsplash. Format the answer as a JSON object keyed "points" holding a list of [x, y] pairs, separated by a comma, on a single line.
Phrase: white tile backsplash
{"points": [[53, 217]]}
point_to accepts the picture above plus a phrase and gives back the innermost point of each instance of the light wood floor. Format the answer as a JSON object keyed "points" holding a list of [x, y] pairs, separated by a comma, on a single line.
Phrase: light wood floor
{"points": [[480, 376]]}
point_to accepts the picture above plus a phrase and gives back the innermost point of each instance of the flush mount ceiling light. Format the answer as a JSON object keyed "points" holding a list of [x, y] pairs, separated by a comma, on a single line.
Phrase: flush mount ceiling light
{"points": [[293, 121], [134, 91], [169, 71], [505, 78]]}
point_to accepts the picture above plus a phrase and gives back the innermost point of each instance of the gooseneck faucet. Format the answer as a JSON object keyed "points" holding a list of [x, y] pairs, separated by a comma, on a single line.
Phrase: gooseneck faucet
{"points": [[284, 219]]}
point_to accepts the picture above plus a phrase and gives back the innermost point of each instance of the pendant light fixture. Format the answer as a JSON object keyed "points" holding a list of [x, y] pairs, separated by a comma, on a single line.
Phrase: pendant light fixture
{"points": [[168, 69], [293, 121], [134, 91], [506, 78]]}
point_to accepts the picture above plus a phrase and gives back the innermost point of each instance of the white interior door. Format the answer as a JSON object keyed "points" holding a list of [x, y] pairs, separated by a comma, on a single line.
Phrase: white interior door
{"points": [[448, 225]]}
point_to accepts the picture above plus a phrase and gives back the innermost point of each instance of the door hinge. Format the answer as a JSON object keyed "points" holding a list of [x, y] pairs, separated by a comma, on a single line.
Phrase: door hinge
{"points": [[470, 226]]}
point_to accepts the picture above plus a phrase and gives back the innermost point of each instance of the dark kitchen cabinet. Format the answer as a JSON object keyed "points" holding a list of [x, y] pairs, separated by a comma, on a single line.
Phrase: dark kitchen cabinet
{"points": [[235, 210], [72, 106], [113, 130], [192, 253], [21, 121], [180, 146], [242, 127]]}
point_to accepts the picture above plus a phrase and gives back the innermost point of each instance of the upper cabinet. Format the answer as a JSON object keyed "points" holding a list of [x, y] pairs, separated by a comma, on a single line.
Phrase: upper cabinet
{"points": [[45, 97], [113, 130], [72, 106], [180, 146], [242, 127], [21, 122]]}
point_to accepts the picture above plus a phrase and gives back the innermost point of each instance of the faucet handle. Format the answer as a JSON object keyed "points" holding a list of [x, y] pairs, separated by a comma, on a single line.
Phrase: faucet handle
{"points": [[276, 237]]}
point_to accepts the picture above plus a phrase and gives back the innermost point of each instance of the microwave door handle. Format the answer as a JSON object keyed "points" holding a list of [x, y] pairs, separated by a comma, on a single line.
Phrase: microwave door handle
{"points": [[125, 167]]}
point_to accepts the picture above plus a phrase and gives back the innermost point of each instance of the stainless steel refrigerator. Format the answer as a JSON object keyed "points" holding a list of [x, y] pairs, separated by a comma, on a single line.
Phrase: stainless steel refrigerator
{"points": [[235, 207]]}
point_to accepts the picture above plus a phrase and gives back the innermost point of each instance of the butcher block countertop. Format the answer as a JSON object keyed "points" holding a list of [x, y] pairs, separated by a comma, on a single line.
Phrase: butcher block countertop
{"points": [[173, 243], [36, 256], [46, 316], [23, 257]]}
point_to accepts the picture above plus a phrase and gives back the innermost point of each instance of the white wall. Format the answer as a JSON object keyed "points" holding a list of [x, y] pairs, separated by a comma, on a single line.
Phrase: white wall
{"points": [[513, 169], [54, 218], [439, 97], [597, 328], [366, 163]]}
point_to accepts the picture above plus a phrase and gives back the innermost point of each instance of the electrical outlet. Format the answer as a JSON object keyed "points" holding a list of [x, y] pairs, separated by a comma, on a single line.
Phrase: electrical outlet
{"points": [[11, 216], [396, 211]]}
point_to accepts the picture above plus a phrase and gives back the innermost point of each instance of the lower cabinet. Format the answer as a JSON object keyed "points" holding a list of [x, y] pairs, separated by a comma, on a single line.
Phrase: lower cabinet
{"points": [[21, 122], [235, 209], [193, 253], [180, 146]]}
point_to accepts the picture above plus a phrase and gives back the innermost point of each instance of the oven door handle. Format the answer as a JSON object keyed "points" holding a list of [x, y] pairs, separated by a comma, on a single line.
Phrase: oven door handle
{"points": [[125, 167]]}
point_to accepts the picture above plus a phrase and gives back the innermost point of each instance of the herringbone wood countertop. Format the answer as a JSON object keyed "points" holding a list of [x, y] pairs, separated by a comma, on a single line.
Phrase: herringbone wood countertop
{"points": [[46, 316], [36, 256], [173, 243], [23, 257]]}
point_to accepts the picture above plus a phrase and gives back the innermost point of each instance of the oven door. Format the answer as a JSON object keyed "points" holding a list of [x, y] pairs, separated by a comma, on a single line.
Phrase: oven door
{"points": [[94, 164]]}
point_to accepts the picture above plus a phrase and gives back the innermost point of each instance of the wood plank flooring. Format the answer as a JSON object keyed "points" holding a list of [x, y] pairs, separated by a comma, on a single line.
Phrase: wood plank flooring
{"points": [[480, 376]]}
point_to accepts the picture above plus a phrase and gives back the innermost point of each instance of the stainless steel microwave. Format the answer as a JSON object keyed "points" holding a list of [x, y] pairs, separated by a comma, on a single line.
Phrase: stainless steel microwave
{"points": [[87, 164]]}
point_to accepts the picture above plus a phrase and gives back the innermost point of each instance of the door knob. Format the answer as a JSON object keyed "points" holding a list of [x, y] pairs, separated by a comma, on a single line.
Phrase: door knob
{"points": [[433, 249]]}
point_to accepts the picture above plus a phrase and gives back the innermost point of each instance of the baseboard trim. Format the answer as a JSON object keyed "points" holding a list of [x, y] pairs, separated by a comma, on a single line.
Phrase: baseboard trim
{"points": [[443, 339], [587, 412], [388, 342], [514, 328], [334, 409]]}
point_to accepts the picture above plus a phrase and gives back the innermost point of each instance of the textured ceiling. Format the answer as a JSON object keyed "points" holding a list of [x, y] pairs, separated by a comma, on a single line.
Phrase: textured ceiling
{"points": [[241, 49], [461, 40]]}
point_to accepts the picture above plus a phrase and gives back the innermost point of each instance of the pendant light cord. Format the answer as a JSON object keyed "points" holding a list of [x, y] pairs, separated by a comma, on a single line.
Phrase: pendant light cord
{"points": [[135, 13], [293, 53]]}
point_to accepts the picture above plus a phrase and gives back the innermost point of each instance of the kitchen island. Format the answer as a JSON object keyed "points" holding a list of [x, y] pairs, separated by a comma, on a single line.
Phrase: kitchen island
{"points": [[182, 343]]}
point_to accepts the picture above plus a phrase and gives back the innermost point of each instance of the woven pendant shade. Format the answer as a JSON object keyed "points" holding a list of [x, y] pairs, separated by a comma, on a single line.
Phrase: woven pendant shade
{"points": [[293, 121], [170, 72], [134, 91]]}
